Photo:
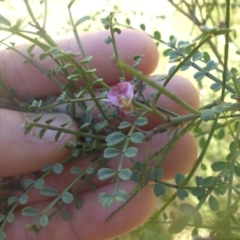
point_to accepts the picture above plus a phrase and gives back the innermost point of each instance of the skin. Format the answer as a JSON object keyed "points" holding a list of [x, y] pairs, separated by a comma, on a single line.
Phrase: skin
{"points": [[30, 154]]}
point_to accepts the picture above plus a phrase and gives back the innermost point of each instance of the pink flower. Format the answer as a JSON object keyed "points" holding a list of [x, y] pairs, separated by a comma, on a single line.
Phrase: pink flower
{"points": [[121, 96]]}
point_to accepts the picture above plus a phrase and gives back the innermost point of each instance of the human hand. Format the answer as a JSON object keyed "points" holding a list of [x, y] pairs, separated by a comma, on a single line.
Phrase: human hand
{"points": [[25, 154]]}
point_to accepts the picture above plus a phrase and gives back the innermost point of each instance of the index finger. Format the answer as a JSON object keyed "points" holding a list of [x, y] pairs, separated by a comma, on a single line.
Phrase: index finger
{"points": [[26, 79]]}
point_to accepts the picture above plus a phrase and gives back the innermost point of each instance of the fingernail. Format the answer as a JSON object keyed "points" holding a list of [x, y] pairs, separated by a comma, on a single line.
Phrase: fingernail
{"points": [[49, 135]]}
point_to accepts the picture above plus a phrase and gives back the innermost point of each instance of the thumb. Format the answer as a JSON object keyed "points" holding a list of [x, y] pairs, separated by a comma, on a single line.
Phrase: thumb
{"points": [[27, 153]]}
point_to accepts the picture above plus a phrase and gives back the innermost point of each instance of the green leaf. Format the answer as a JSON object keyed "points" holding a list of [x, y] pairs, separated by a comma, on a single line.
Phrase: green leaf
{"points": [[67, 197], [198, 191], [121, 196], [49, 191], [197, 220], [157, 173], [117, 30], [4, 21], [141, 121], [37, 118], [101, 125], [213, 203], [135, 177], [211, 65], [106, 199], [207, 114], [105, 173], [89, 170], [50, 120], [186, 208], [207, 29], [12, 200], [125, 174], [90, 107], [39, 183], [197, 56], [185, 66], [179, 224], [3, 236], [78, 202], [142, 26], [46, 167], [23, 199], [158, 189], [75, 152], [216, 87], [182, 193], [208, 181], [42, 132], [30, 212], [131, 152], [137, 137], [111, 152], [199, 75], [157, 35], [124, 125], [179, 178], [108, 40], [57, 168], [43, 220], [128, 22], [76, 170], [66, 215], [172, 43], [81, 20], [115, 138], [10, 218], [28, 182]]}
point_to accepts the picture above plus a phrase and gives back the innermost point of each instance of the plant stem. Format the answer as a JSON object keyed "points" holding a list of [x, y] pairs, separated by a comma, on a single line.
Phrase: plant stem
{"points": [[226, 50]]}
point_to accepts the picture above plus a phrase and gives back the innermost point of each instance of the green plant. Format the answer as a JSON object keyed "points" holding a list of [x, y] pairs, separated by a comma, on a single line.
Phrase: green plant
{"points": [[214, 188]]}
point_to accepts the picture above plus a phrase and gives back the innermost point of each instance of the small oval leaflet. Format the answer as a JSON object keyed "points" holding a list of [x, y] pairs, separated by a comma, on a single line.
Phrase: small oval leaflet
{"points": [[12, 200], [131, 152], [28, 182], [44, 220], [57, 168], [218, 166], [115, 138], [159, 189], [10, 218], [105, 173], [213, 203], [186, 208], [67, 197], [197, 219], [141, 121], [65, 215], [137, 137], [111, 152], [3, 236], [124, 125], [39, 183], [30, 212], [49, 191], [75, 170], [182, 193], [121, 196], [125, 174], [23, 199]]}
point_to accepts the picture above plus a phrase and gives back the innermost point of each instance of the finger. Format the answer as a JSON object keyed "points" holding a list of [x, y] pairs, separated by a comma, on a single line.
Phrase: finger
{"points": [[89, 221], [22, 154], [27, 79]]}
